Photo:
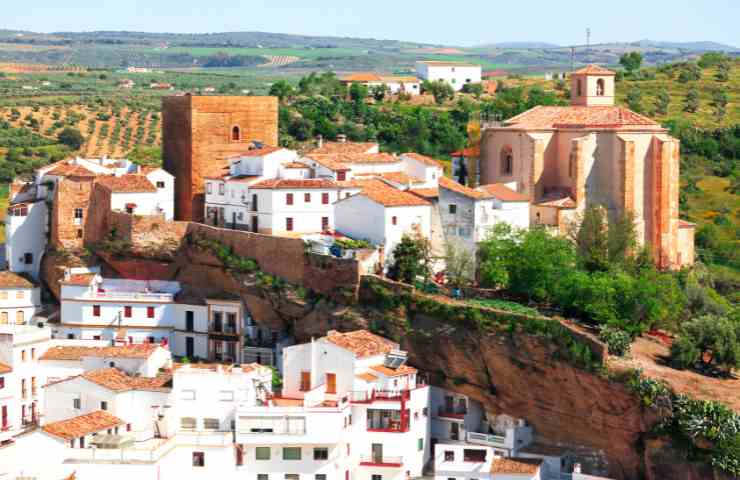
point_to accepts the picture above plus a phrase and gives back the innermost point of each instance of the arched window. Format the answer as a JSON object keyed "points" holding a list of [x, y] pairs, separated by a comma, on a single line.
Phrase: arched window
{"points": [[507, 161], [236, 134], [579, 88], [600, 87]]}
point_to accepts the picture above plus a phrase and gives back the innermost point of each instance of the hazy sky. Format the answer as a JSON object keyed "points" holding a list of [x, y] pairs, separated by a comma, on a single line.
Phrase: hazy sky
{"points": [[463, 23]]}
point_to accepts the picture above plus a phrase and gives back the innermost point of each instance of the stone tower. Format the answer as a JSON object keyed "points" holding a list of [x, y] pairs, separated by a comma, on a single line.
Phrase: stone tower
{"points": [[592, 86], [199, 133]]}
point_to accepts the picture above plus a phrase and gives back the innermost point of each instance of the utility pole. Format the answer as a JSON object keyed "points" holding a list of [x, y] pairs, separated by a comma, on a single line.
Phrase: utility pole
{"points": [[588, 40], [572, 59]]}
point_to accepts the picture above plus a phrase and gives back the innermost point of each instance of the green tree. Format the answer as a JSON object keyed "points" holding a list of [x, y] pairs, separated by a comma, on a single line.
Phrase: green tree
{"points": [[634, 99], [691, 102], [379, 92], [475, 89], [689, 73], [708, 340], [631, 61], [710, 59], [723, 72], [459, 264], [662, 101], [719, 102], [440, 90], [411, 258], [622, 238], [71, 137], [146, 155], [592, 240], [358, 92], [282, 89]]}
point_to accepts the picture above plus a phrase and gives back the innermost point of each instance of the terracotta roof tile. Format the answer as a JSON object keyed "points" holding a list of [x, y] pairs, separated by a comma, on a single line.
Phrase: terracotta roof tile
{"points": [[295, 165], [127, 183], [83, 425], [503, 193], [69, 352], [383, 194], [592, 69], [429, 161], [557, 201], [70, 170], [345, 148], [361, 77], [546, 117], [82, 279], [344, 161], [10, 279], [118, 381], [393, 372], [400, 178], [425, 192], [516, 465], [361, 342], [367, 376], [5, 368], [289, 183], [452, 185]]}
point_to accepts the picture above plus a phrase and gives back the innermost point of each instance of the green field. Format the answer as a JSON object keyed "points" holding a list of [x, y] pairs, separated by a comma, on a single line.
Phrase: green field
{"points": [[310, 53]]}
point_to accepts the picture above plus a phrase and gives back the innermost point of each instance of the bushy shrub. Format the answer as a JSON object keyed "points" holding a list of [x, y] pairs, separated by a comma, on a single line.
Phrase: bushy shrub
{"points": [[618, 341]]}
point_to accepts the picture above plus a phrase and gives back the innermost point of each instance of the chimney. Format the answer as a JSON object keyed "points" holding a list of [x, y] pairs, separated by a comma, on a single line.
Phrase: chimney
{"points": [[342, 138], [320, 141]]}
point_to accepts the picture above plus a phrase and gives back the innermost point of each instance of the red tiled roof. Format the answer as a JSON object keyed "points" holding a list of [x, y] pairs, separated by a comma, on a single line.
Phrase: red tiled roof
{"points": [[383, 194], [83, 425], [361, 77], [592, 69], [5, 368], [70, 170], [425, 192], [685, 224], [503, 193], [295, 165], [361, 342], [10, 279], [289, 183], [121, 351], [546, 117], [516, 465], [118, 381], [127, 184], [423, 159], [343, 161], [450, 184], [367, 376], [400, 178], [81, 279], [345, 148], [393, 372], [557, 201]]}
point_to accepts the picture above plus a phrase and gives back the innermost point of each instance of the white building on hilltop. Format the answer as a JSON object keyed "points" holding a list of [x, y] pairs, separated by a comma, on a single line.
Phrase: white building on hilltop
{"points": [[456, 74]]}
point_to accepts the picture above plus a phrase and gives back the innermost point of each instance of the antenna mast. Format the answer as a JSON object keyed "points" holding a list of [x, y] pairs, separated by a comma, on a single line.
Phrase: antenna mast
{"points": [[588, 39], [572, 59]]}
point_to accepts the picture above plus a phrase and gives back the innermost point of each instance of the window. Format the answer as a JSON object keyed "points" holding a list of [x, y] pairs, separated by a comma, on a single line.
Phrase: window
{"points": [[78, 214], [320, 476], [187, 423], [453, 209], [187, 395], [305, 381], [262, 453], [376, 477], [104, 405], [209, 188], [325, 198], [331, 383], [70, 336], [579, 88], [291, 453], [291, 476], [394, 220], [189, 320], [507, 161], [199, 459], [23, 355], [307, 197], [449, 456], [321, 453], [28, 258], [464, 232], [112, 364], [263, 476], [221, 188], [324, 224], [474, 455], [3, 295], [33, 354], [210, 424], [420, 444], [96, 310], [77, 403], [149, 312], [127, 311], [341, 176], [236, 134], [289, 199], [160, 184], [3, 318], [289, 224], [19, 295], [19, 318], [150, 339], [600, 87]]}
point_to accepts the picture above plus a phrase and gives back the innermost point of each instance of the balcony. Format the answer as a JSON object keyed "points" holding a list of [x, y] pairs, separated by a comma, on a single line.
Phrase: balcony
{"points": [[142, 296], [486, 439], [392, 421], [378, 395], [223, 328], [457, 413], [381, 461]]}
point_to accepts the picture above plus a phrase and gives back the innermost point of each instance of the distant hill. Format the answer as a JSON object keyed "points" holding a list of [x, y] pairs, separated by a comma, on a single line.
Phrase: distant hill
{"points": [[519, 45], [692, 46]]}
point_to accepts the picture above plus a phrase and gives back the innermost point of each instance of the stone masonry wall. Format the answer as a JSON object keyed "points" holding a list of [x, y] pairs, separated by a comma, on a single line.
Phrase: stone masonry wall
{"points": [[71, 194]]}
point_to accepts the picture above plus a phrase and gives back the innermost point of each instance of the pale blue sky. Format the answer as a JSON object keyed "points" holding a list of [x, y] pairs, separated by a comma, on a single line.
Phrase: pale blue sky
{"points": [[450, 22]]}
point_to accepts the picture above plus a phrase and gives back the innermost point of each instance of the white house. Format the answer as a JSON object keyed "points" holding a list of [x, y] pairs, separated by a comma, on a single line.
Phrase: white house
{"points": [[26, 224], [20, 298], [382, 214], [395, 83], [467, 462], [457, 74], [468, 215]]}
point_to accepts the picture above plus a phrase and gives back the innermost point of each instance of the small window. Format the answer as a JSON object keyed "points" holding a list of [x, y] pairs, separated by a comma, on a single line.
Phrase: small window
{"points": [[262, 453], [289, 224], [28, 258], [320, 476], [23, 355], [19, 295], [474, 455], [289, 199], [292, 476], [236, 134], [376, 477], [449, 456], [104, 405], [305, 381], [325, 198], [324, 224], [79, 231], [33, 354], [4, 295], [127, 311], [78, 213], [507, 161], [221, 188], [199, 459], [263, 476], [160, 184], [96, 310], [321, 453], [112, 364], [209, 188], [187, 423], [394, 220], [210, 423], [600, 87], [291, 453], [420, 444], [341, 176], [453, 209], [77, 403], [189, 320], [149, 312], [307, 197]]}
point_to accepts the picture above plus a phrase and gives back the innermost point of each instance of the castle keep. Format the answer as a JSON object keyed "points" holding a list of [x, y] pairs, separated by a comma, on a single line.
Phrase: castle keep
{"points": [[199, 133]]}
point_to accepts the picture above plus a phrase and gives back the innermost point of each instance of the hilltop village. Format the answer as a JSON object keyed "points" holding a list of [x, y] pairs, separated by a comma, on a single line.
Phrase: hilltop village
{"points": [[124, 370]]}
